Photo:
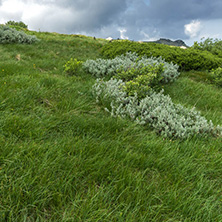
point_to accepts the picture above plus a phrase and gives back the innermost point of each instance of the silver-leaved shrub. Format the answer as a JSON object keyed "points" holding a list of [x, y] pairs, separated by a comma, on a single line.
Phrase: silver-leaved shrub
{"points": [[110, 67], [10, 35], [156, 110]]}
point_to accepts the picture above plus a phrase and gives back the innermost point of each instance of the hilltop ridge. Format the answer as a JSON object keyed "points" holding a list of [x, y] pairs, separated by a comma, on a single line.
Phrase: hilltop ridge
{"points": [[164, 41]]}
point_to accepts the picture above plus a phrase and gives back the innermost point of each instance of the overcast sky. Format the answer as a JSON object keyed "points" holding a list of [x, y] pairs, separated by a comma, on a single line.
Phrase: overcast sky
{"points": [[189, 20]]}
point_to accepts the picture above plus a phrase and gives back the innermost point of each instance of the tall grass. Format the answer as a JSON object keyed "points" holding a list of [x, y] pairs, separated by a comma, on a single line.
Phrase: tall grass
{"points": [[63, 158]]}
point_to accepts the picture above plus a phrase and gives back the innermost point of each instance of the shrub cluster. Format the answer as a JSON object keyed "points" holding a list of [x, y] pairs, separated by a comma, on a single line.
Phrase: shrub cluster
{"points": [[18, 24], [72, 66], [211, 45], [217, 76], [130, 93], [10, 35], [187, 59], [108, 67], [156, 110], [129, 62], [142, 79]]}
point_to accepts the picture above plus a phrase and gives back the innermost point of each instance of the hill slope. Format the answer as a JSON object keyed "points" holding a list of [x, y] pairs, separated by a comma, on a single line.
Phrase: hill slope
{"points": [[170, 42], [63, 158]]}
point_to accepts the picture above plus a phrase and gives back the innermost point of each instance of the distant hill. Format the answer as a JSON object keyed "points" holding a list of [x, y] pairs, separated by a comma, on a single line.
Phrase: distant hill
{"points": [[170, 42]]}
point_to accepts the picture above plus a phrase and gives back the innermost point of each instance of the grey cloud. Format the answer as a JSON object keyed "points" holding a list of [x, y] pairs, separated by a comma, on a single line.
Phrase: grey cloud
{"points": [[100, 13], [88, 16], [168, 17], [189, 9], [141, 18], [174, 9], [163, 18]]}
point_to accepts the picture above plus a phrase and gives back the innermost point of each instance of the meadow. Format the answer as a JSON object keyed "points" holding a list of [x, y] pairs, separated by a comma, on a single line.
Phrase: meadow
{"points": [[64, 158]]}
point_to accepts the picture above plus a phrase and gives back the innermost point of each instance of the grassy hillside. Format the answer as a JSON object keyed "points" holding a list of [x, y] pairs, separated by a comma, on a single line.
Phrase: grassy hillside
{"points": [[63, 158]]}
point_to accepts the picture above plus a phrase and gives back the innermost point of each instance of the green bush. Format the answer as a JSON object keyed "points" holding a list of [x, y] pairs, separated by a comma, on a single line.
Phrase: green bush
{"points": [[186, 59], [142, 79], [139, 85], [217, 76], [10, 35], [17, 24], [73, 66], [211, 45]]}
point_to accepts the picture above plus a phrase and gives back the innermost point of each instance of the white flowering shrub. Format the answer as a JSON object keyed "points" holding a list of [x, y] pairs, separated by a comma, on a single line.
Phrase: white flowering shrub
{"points": [[156, 110], [110, 67], [10, 35]]}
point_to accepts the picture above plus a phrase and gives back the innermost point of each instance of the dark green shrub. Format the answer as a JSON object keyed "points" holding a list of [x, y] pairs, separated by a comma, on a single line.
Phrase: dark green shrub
{"points": [[211, 45], [187, 59], [18, 24]]}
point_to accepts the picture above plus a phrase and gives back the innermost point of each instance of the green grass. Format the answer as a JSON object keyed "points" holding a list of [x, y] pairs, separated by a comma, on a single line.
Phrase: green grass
{"points": [[63, 158], [204, 96]]}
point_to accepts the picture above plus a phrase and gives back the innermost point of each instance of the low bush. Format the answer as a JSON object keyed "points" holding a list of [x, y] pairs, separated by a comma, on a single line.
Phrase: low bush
{"points": [[211, 45], [156, 110], [127, 63], [10, 35], [130, 93], [73, 66], [217, 76], [186, 59], [142, 79], [17, 24], [108, 67], [140, 74]]}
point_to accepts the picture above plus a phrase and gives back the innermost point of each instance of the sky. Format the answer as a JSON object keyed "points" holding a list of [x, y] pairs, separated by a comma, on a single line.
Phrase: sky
{"points": [[138, 20]]}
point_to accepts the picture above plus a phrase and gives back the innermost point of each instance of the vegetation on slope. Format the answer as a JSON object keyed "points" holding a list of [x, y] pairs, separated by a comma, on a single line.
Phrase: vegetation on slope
{"points": [[11, 35], [211, 45], [62, 158], [187, 59]]}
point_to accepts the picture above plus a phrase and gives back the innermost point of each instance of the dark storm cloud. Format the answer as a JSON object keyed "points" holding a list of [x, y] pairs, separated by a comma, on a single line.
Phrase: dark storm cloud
{"points": [[138, 19], [168, 17], [99, 13], [189, 9]]}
